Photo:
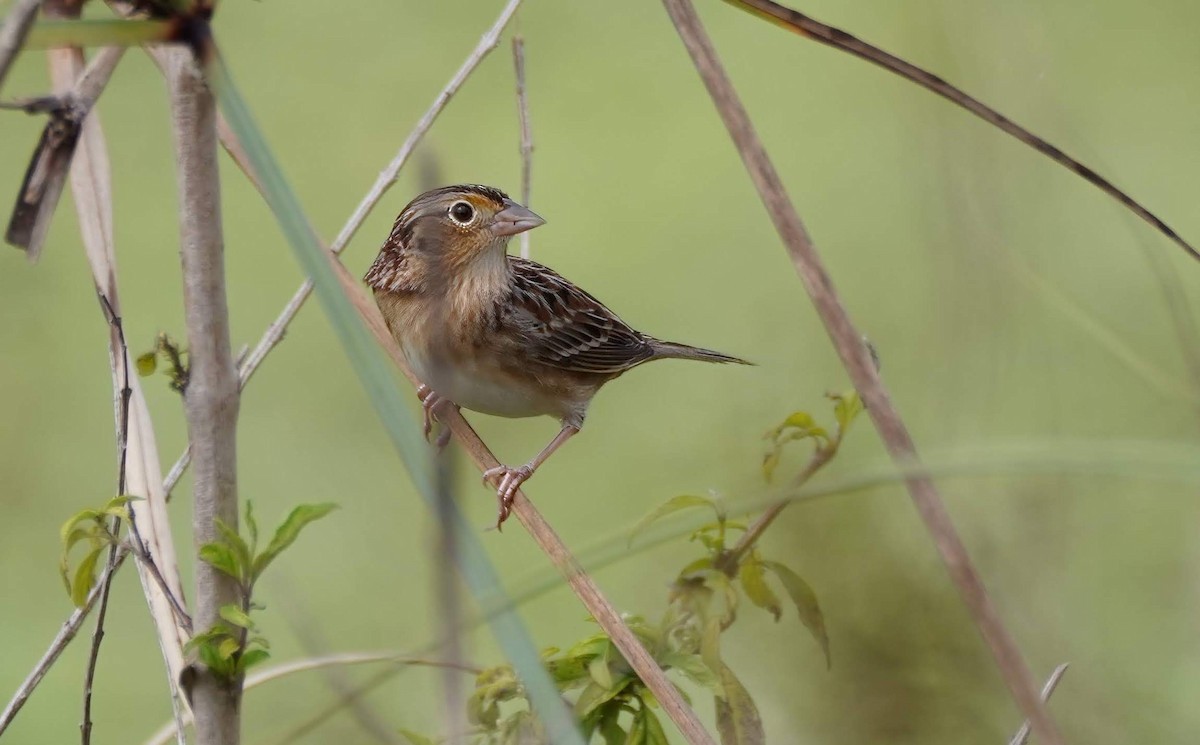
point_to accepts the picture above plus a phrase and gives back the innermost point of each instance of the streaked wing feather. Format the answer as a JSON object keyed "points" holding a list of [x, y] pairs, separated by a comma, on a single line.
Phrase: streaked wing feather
{"points": [[566, 328]]}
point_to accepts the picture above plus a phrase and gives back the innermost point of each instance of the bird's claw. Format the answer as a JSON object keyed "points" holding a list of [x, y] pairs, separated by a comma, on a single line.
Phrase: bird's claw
{"points": [[508, 480], [430, 400]]}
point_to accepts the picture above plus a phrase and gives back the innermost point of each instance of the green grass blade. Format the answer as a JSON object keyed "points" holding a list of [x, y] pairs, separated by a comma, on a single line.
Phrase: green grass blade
{"points": [[98, 33], [375, 374]]}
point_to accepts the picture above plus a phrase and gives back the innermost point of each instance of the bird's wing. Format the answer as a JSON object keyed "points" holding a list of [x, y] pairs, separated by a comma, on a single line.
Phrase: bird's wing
{"points": [[564, 327]]}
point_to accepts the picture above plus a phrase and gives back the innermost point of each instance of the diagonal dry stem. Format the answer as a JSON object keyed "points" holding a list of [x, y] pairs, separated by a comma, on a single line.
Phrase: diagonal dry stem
{"points": [[856, 358]]}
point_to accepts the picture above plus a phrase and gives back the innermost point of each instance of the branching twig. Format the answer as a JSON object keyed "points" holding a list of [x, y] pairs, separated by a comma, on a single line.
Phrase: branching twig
{"points": [[750, 538], [1052, 682], [857, 359], [114, 530], [68, 631], [12, 35], [211, 397], [811, 28], [518, 48]]}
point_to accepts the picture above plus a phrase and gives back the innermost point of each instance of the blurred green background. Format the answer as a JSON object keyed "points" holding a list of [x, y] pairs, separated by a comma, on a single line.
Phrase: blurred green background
{"points": [[1012, 304]]}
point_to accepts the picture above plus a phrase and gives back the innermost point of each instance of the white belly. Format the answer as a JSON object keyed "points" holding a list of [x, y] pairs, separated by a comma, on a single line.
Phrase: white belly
{"points": [[478, 389]]}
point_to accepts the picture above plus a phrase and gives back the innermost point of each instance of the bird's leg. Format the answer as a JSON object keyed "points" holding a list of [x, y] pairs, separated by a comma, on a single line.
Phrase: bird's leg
{"points": [[430, 400], [508, 480]]}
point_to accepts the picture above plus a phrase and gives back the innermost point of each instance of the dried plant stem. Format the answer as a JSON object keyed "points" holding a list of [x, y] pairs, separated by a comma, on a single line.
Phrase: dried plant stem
{"points": [[69, 630], [518, 49], [584, 587], [1022, 735], [211, 397], [857, 359], [12, 35]]}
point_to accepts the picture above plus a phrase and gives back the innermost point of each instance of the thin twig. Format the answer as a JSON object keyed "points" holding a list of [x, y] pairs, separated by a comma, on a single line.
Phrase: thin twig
{"points": [[1022, 735], [518, 50], [856, 358], [211, 398], [342, 659], [16, 27], [85, 728], [68, 631], [313, 641], [810, 28], [584, 587]]}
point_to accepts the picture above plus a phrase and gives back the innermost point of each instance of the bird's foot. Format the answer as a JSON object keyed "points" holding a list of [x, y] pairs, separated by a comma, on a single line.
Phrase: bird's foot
{"points": [[507, 480], [430, 400]]}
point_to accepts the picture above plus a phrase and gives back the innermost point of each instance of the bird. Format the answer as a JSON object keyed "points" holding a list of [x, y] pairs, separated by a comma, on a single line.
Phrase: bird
{"points": [[495, 333]]}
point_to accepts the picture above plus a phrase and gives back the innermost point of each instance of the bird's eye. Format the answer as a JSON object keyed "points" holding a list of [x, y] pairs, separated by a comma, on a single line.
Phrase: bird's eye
{"points": [[462, 212]]}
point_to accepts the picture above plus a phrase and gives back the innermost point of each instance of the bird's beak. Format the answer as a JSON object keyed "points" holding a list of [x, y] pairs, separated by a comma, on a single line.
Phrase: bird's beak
{"points": [[515, 219]]}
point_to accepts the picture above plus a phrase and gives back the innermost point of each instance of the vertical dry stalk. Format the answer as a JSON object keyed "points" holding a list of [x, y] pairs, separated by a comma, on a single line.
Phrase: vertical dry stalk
{"points": [[856, 358], [211, 396], [518, 48]]}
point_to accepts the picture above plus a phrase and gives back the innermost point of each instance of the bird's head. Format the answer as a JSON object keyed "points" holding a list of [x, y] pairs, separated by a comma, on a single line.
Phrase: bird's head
{"points": [[454, 231]]}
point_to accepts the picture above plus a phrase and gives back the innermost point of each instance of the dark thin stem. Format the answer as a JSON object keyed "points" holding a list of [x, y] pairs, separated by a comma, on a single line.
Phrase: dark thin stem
{"points": [[115, 526], [810, 28], [65, 635], [857, 359]]}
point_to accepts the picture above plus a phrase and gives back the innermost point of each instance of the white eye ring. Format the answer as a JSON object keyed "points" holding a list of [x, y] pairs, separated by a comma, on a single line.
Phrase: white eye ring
{"points": [[462, 213]]}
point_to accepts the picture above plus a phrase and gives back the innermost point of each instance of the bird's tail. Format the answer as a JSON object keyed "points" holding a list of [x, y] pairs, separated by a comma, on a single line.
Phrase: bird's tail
{"points": [[671, 350]]}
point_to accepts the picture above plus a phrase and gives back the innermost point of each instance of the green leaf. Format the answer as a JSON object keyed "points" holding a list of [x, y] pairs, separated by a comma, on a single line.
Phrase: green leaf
{"points": [[232, 613], [253, 657], [221, 558], [696, 567], [79, 517], [754, 584], [252, 526], [738, 721], [147, 363], [568, 672], [846, 408], [227, 648], [694, 667], [414, 738], [287, 533], [682, 502], [84, 576], [653, 728], [241, 550], [596, 695], [599, 669], [710, 645], [806, 603]]}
